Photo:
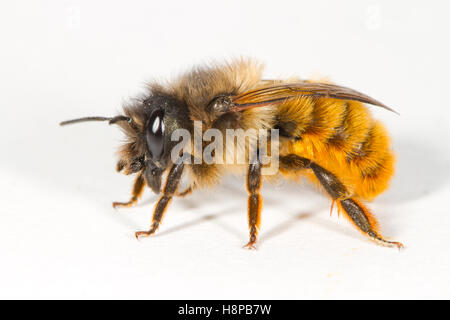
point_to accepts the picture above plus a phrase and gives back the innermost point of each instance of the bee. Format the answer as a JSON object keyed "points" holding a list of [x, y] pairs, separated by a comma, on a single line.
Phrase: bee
{"points": [[326, 134]]}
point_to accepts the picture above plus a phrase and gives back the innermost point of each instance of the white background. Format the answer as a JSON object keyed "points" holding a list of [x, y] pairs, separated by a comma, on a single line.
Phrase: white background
{"points": [[59, 235]]}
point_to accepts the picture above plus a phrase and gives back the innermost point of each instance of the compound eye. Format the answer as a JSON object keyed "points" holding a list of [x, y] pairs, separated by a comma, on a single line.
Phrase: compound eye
{"points": [[155, 135]]}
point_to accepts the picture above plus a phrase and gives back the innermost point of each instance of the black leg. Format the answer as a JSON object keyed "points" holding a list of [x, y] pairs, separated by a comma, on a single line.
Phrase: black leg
{"points": [[358, 214], [365, 221], [170, 188]]}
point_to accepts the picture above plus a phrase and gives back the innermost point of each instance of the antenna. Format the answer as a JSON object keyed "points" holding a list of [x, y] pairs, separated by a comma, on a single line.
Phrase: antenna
{"points": [[111, 120]]}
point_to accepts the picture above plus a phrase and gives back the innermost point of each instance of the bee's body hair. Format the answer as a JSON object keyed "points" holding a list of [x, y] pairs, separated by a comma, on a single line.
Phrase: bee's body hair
{"points": [[340, 135], [326, 134]]}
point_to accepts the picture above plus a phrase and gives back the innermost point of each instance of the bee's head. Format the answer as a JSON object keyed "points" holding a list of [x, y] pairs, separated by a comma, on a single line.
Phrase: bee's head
{"points": [[148, 124], [149, 130]]}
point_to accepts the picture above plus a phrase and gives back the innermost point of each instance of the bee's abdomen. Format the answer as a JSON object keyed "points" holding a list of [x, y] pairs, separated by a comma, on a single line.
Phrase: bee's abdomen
{"points": [[342, 137], [373, 161]]}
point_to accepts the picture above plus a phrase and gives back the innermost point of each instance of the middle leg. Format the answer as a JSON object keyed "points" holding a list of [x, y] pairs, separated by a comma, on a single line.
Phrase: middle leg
{"points": [[254, 202]]}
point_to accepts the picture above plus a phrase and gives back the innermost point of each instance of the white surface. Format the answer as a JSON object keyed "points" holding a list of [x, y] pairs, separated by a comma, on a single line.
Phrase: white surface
{"points": [[59, 235]]}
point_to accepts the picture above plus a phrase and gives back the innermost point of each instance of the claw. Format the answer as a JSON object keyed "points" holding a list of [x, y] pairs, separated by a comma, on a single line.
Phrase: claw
{"points": [[399, 245], [142, 234], [250, 246], [388, 243], [122, 204]]}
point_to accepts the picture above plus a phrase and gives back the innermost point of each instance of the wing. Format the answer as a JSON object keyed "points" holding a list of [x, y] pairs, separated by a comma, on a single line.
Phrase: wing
{"points": [[278, 93]]}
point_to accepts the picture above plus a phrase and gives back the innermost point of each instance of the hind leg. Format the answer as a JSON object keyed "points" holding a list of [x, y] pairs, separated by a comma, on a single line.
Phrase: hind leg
{"points": [[363, 219], [357, 213]]}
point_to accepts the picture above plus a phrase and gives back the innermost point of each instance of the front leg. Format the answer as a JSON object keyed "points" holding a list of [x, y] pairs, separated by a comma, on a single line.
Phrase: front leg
{"points": [[254, 202], [170, 188], [138, 189]]}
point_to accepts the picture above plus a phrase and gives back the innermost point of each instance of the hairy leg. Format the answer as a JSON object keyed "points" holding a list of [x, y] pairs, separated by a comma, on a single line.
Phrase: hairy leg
{"points": [[254, 202], [138, 189], [356, 211], [170, 188], [364, 220]]}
